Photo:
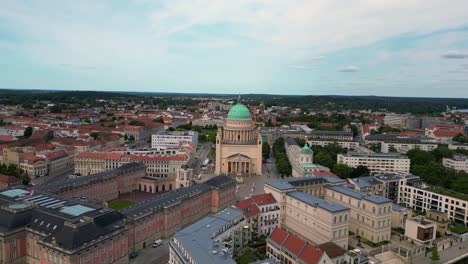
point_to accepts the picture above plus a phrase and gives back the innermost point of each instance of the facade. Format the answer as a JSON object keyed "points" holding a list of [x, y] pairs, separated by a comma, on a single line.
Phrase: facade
{"points": [[376, 163], [174, 138], [213, 239], [285, 247], [7, 181], [370, 215], [347, 144], [87, 163], [458, 163], [103, 186], [399, 216], [441, 219], [316, 220], [403, 147], [334, 135], [420, 230], [262, 212], [39, 227], [413, 196], [239, 144]]}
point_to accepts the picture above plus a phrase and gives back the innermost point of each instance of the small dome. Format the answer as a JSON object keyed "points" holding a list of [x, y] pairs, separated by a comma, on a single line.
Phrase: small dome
{"points": [[305, 149], [239, 112]]}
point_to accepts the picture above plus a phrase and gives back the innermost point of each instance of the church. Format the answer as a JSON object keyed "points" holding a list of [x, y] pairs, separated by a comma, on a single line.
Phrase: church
{"points": [[239, 144]]}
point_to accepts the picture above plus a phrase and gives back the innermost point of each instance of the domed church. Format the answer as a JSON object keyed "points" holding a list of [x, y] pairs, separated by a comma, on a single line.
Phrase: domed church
{"points": [[239, 144]]}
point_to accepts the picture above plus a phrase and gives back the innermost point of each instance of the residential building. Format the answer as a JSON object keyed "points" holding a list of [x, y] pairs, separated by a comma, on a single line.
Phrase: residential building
{"points": [[7, 181], [347, 144], [411, 194], [370, 215], [376, 163], [457, 162], [174, 138], [395, 120], [441, 219], [333, 135], [285, 247], [420, 229], [262, 212], [458, 146], [239, 144], [212, 239], [316, 220]]}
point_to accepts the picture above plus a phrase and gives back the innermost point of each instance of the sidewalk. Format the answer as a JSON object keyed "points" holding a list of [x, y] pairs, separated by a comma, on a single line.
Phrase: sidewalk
{"points": [[450, 255]]}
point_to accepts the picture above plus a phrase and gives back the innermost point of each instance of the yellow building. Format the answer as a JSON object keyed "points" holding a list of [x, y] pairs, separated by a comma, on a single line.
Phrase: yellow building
{"points": [[239, 144]]}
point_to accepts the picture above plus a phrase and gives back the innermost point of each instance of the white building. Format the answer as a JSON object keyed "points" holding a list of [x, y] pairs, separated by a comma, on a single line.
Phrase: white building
{"points": [[347, 144], [420, 230], [213, 239], [174, 138], [412, 195], [458, 162], [376, 163], [262, 211]]}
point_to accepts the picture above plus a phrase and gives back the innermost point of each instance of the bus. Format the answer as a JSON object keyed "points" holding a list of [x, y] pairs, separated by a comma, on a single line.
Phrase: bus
{"points": [[205, 164]]}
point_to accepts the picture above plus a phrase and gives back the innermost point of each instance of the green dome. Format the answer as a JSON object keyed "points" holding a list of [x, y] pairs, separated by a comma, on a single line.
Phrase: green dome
{"points": [[305, 149], [239, 112]]}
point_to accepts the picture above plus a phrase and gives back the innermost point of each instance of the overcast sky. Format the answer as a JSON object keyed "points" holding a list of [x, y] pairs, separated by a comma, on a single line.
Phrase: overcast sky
{"points": [[367, 47]]}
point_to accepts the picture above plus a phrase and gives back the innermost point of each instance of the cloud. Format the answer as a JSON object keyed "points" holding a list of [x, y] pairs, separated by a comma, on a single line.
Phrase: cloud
{"points": [[455, 54], [300, 67], [348, 69], [316, 59]]}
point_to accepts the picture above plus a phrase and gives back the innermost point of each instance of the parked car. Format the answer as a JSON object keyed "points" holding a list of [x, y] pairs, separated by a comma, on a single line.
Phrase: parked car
{"points": [[157, 243]]}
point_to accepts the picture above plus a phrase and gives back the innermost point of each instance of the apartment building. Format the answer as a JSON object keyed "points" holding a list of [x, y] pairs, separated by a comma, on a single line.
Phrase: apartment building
{"points": [[87, 163], [370, 215], [458, 146], [213, 239], [285, 247], [334, 135], [412, 194], [420, 229], [174, 138], [347, 144], [262, 212], [376, 163], [458, 163], [316, 220]]}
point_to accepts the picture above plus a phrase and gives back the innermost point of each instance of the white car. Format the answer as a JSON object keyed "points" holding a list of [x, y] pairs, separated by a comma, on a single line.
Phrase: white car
{"points": [[157, 243]]}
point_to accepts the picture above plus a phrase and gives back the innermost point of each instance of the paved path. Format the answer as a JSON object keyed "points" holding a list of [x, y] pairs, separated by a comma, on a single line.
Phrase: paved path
{"points": [[447, 255]]}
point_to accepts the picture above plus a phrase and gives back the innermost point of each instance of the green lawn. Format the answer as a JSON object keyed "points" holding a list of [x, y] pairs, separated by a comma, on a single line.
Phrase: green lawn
{"points": [[458, 228], [372, 244], [448, 192], [246, 258], [120, 204]]}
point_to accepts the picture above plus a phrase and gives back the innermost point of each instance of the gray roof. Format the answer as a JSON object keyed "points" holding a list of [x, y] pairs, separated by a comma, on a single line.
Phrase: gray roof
{"points": [[317, 202], [197, 242], [359, 195], [292, 183], [330, 133], [363, 182], [291, 142], [375, 155]]}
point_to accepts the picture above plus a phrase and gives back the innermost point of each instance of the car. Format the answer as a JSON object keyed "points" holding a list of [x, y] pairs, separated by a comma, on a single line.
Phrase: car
{"points": [[157, 243]]}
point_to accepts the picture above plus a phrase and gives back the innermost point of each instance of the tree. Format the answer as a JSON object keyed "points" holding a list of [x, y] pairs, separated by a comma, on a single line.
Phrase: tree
{"points": [[56, 109], [266, 151], [131, 138], [392, 149], [158, 120], [323, 158], [28, 132], [136, 123], [460, 138], [342, 170], [359, 171], [95, 135], [435, 254]]}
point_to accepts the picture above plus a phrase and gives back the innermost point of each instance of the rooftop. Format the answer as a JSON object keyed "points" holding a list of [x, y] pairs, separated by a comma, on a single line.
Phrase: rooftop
{"points": [[197, 239], [359, 195], [317, 202]]}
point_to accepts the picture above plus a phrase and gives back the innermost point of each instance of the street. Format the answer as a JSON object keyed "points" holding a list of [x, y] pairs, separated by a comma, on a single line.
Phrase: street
{"points": [[153, 255]]}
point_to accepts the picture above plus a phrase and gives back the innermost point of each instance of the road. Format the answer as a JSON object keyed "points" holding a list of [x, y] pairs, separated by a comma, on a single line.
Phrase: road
{"points": [[201, 157], [153, 255]]}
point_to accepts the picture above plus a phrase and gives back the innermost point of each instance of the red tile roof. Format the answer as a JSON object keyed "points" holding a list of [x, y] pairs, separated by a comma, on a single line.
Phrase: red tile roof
{"points": [[8, 179], [278, 235], [56, 154], [7, 138], [249, 207], [294, 244], [324, 173], [311, 254], [263, 199]]}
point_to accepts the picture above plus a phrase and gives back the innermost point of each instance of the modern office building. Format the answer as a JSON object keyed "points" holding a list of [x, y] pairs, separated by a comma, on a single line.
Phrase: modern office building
{"points": [[347, 144], [420, 229], [334, 135], [370, 215], [376, 163]]}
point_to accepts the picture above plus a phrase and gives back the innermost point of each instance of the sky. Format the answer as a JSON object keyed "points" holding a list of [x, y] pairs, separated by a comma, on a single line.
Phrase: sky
{"points": [[303, 47]]}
